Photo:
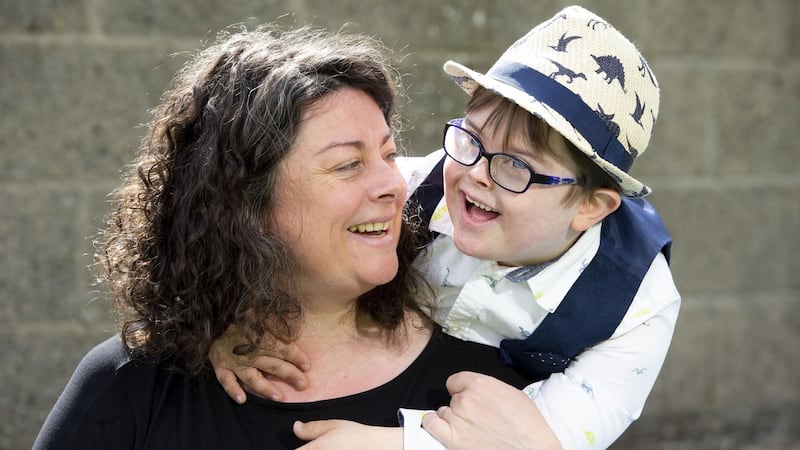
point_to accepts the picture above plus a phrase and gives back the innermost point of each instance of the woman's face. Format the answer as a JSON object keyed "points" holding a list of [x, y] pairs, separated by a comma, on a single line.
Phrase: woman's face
{"points": [[340, 198]]}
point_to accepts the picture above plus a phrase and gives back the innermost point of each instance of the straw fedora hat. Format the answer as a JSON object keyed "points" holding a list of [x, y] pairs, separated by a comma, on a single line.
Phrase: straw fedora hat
{"points": [[587, 81]]}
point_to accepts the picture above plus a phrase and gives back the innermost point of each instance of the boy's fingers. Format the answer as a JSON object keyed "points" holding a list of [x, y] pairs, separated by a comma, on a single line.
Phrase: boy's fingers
{"points": [[231, 386], [460, 381], [309, 431], [276, 368], [292, 354], [255, 381], [284, 351], [438, 427]]}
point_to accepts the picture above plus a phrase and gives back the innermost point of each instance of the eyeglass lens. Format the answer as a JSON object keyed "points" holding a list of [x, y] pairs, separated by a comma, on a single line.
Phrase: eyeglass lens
{"points": [[504, 170]]}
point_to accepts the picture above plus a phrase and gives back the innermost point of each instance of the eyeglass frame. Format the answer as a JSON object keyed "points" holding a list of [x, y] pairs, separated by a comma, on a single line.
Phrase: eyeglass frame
{"points": [[536, 178]]}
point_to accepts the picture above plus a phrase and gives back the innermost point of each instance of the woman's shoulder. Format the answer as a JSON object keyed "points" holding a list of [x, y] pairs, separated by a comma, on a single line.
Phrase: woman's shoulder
{"points": [[107, 362], [105, 358], [99, 391], [98, 367], [115, 369]]}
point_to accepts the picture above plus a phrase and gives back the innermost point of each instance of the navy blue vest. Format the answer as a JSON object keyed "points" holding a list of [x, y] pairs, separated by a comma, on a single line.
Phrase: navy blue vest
{"points": [[592, 309]]}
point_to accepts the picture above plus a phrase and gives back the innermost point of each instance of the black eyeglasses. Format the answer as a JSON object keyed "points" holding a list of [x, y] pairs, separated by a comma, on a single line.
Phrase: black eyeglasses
{"points": [[507, 171]]}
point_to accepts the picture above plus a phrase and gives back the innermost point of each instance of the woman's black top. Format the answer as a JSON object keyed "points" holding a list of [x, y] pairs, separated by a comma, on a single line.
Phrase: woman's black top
{"points": [[115, 401]]}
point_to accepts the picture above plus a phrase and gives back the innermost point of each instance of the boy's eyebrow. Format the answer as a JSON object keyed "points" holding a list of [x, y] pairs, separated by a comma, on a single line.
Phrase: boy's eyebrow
{"points": [[470, 124], [475, 130], [522, 151]]}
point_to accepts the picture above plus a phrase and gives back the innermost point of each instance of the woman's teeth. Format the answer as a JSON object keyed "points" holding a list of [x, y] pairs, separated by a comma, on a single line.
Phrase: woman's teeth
{"points": [[369, 227], [480, 205]]}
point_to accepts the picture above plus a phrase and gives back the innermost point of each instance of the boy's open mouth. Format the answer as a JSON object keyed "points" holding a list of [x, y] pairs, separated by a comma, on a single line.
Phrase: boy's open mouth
{"points": [[479, 211]]}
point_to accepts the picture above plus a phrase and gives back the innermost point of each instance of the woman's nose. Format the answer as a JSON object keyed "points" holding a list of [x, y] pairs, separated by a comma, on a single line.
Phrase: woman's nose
{"points": [[391, 184]]}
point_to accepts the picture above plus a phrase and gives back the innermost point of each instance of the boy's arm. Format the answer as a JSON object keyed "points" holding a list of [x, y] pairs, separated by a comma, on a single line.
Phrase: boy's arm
{"points": [[605, 388], [588, 406]]}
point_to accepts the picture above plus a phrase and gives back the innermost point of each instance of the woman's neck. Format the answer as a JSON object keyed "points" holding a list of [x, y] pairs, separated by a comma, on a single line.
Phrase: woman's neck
{"points": [[327, 321], [348, 359]]}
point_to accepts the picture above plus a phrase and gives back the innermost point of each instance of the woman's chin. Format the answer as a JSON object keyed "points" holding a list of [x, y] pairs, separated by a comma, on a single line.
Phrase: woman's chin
{"points": [[380, 272]]}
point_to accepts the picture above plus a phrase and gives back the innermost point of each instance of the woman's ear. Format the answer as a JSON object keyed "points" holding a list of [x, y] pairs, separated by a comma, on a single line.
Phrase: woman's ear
{"points": [[595, 208]]}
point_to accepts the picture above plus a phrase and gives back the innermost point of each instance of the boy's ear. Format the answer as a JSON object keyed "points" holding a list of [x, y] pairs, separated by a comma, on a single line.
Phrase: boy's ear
{"points": [[595, 208]]}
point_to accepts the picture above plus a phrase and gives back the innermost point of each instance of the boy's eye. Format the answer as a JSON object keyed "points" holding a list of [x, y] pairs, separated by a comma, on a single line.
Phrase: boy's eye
{"points": [[474, 142], [517, 164]]}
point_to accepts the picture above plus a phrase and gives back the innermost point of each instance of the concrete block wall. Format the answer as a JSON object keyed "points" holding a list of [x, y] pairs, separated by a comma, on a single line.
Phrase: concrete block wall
{"points": [[77, 76]]}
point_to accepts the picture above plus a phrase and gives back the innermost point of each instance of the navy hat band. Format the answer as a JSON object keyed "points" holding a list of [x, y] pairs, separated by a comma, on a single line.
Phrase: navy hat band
{"points": [[557, 97]]}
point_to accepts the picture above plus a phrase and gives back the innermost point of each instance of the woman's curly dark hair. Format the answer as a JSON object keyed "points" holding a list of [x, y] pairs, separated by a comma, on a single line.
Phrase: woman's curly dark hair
{"points": [[187, 250]]}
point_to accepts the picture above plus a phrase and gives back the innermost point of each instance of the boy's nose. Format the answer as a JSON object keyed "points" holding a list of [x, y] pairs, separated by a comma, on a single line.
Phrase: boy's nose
{"points": [[479, 173]]}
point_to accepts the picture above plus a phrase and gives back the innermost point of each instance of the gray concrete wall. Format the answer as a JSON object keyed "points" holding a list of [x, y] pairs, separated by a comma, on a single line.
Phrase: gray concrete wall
{"points": [[77, 76]]}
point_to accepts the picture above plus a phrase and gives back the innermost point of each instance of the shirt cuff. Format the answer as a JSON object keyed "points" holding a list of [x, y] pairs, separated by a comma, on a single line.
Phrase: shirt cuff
{"points": [[414, 436]]}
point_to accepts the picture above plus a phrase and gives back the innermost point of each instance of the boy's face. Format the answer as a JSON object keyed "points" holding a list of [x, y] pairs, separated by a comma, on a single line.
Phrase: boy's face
{"points": [[494, 224]]}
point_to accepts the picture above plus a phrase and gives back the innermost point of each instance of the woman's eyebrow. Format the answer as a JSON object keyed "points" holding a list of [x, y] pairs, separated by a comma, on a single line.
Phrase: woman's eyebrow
{"points": [[359, 144]]}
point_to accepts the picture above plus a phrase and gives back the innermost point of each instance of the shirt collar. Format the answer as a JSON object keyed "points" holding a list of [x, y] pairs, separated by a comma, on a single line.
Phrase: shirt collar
{"points": [[525, 273]]}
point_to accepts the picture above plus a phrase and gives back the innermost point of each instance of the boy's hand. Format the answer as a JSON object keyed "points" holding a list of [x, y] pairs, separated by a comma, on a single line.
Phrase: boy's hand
{"points": [[484, 412], [281, 361], [346, 434]]}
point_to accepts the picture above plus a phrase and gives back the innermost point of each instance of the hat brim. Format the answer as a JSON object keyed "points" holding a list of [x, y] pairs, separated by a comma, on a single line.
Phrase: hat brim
{"points": [[469, 80]]}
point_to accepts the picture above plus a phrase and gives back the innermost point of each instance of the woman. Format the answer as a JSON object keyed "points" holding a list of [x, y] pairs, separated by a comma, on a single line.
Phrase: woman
{"points": [[265, 197]]}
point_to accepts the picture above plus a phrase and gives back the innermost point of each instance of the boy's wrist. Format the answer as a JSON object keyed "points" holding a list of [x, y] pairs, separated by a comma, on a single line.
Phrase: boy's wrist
{"points": [[414, 436]]}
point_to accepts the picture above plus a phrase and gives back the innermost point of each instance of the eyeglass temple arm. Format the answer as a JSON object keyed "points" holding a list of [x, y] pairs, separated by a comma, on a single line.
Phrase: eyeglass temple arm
{"points": [[547, 179]]}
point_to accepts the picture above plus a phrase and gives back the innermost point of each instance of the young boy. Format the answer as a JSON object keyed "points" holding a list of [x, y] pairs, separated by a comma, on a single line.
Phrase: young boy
{"points": [[543, 246]]}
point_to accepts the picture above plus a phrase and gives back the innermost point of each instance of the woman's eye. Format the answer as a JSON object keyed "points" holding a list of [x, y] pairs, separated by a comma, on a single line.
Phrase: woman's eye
{"points": [[391, 156], [355, 164]]}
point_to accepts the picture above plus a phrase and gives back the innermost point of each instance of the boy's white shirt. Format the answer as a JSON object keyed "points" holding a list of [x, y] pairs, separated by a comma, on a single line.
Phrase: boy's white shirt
{"points": [[605, 387]]}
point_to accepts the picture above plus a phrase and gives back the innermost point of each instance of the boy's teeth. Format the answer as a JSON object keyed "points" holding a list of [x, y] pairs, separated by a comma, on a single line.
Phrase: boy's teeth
{"points": [[369, 227], [480, 205]]}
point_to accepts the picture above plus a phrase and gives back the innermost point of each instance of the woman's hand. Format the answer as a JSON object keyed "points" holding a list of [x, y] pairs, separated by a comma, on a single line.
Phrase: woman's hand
{"points": [[280, 360], [484, 412], [325, 434]]}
